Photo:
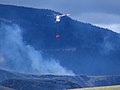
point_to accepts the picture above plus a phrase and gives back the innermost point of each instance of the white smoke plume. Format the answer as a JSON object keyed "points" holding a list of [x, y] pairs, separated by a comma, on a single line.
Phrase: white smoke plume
{"points": [[16, 56]]}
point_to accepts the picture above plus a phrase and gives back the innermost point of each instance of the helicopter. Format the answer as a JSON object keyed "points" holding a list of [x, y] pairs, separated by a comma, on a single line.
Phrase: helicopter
{"points": [[59, 16], [58, 19]]}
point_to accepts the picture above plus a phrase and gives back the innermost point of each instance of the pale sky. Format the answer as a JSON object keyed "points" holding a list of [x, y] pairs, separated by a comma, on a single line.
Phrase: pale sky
{"points": [[104, 13]]}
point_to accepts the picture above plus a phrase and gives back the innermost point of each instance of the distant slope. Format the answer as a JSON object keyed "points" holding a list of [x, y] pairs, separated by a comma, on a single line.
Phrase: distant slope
{"points": [[82, 48], [101, 88], [53, 82], [5, 75]]}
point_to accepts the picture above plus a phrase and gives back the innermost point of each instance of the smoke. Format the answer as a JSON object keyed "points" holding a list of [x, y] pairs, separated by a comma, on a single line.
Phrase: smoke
{"points": [[16, 56], [1, 59], [107, 46]]}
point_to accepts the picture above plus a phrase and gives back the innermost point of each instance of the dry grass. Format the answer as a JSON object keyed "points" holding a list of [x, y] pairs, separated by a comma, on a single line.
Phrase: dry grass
{"points": [[101, 88]]}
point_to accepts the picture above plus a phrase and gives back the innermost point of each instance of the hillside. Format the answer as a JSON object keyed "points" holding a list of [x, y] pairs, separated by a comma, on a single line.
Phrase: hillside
{"points": [[82, 48]]}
